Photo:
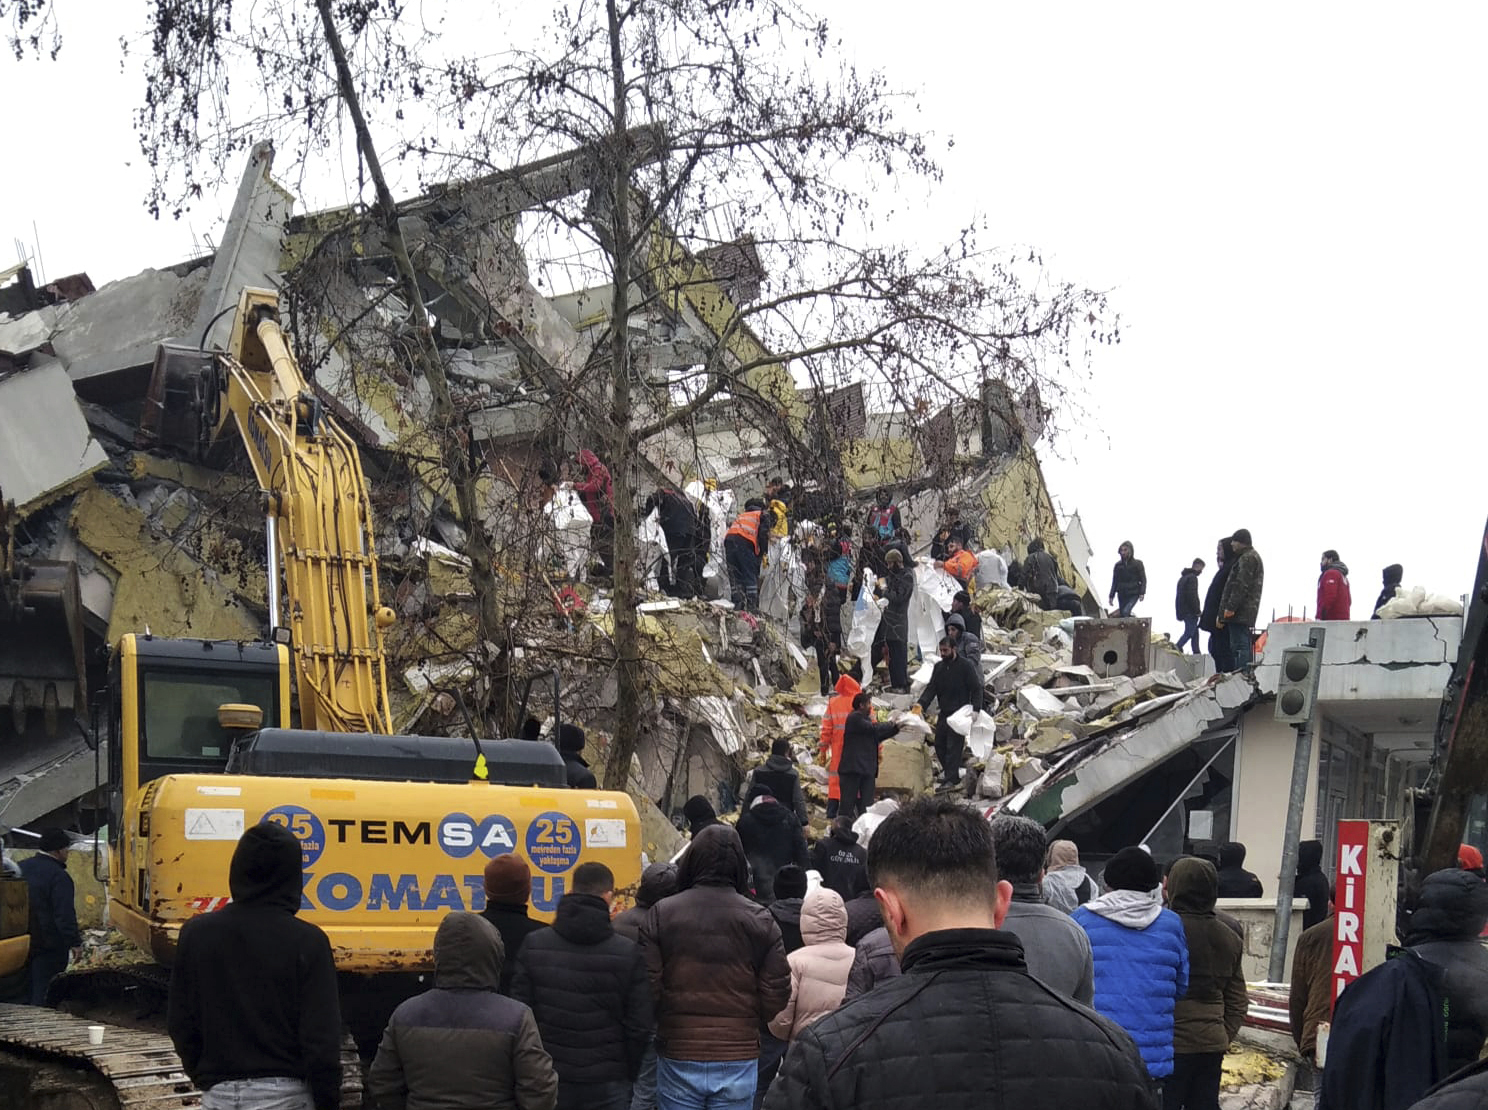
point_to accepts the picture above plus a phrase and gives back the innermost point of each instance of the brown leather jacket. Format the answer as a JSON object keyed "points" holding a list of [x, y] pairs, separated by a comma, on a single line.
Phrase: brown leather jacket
{"points": [[715, 957]]}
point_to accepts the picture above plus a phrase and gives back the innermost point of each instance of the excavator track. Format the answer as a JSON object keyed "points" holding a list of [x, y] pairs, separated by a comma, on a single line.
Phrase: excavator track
{"points": [[141, 1067]]}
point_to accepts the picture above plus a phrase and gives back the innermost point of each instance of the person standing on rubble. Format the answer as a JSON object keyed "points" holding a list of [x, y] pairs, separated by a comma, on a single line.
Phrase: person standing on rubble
{"points": [[54, 925], [744, 547], [1240, 603], [968, 647], [772, 838], [1040, 575], [1128, 580], [1219, 641], [1391, 577], [961, 604], [778, 776], [1188, 607], [679, 523], [959, 563], [1333, 600], [954, 684], [598, 495], [834, 720], [858, 769], [898, 588]]}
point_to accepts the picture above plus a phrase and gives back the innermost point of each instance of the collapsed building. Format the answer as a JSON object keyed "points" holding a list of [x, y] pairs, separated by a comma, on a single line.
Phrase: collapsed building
{"points": [[111, 528]]}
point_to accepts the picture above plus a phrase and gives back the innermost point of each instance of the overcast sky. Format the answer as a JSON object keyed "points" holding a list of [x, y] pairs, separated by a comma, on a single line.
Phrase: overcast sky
{"points": [[1285, 201]]}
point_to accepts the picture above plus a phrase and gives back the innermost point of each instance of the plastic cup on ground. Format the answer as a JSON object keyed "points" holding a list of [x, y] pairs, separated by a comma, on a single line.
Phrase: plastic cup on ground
{"points": [[95, 1034]]}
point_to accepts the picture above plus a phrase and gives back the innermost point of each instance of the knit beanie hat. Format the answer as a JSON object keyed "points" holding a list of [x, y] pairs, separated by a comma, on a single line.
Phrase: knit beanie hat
{"points": [[570, 738], [508, 879], [1132, 869]]}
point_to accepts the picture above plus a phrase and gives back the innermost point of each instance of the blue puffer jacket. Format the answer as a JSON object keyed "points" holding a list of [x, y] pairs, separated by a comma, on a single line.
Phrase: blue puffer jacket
{"points": [[1141, 968]]}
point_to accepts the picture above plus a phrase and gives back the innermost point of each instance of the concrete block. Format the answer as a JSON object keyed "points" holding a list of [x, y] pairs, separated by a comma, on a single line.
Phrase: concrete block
{"points": [[1038, 702], [117, 328], [22, 334], [47, 449], [1028, 771]]}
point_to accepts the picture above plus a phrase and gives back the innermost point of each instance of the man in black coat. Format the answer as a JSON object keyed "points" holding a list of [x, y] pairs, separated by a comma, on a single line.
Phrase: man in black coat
{"points": [[253, 1006], [590, 994], [954, 683], [1040, 574], [779, 777], [571, 745], [898, 589], [946, 1033], [508, 883], [54, 924], [1444, 931], [1219, 644], [857, 770], [679, 523], [840, 860], [1311, 883], [772, 838], [1189, 610], [1234, 880], [790, 894]]}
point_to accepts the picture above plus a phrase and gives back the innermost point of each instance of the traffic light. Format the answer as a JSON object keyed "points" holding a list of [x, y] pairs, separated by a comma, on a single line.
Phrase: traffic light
{"points": [[1296, 685]]}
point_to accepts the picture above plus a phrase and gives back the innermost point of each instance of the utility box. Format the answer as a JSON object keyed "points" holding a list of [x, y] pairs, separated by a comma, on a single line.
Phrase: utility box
{"points": [[1364, 900], [1116, 646]]}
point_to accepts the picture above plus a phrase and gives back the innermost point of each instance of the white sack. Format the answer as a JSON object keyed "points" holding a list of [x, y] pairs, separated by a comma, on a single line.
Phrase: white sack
{"points": [[865, 617]]}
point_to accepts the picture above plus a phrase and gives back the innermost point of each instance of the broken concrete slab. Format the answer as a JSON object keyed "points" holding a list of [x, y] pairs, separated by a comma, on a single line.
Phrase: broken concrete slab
{"points": [[47, 450], [20, 335], [108, 338], [1038, 702]]}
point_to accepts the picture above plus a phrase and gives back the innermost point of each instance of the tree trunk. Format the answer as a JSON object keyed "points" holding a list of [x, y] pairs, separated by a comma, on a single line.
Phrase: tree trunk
{"points": [[453, 438], [622, 468]]}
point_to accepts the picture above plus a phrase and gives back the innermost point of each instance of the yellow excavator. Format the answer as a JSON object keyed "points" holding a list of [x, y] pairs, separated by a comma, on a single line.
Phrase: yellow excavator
{"points": [[395, 830]]}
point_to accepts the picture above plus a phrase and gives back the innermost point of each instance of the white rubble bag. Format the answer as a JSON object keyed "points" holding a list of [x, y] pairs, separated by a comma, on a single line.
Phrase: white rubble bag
{"points": [[1416, 602], [939, 587], [570, 522], [991, 570], [782, 579], [651, 549], [865, 617], [926, 622], [873, 817]]}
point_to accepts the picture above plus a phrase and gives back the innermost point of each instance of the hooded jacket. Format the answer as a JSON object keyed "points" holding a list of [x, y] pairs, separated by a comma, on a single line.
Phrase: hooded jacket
{"points": [[968, 646], [462, 1044], [1242, 588], [595, 490], [253, 988], [1333, 601], [1391, 576], [780, 777], [589, 993], [899, 587], [1055, 948], [953, 683], [657, 882], [1128, 578], [1066, 882], [1311, 883], [772, 838], [1444, 931], [1211, 611], [874, 960], [833, 723], [860, 740], [965, 1027], [787, 915], [1141, 968], [841, 861], [1234, 880], [1211, 1012], [717, 968], [1187, 602], [819, 970], [699, 814], [1041, 576]]}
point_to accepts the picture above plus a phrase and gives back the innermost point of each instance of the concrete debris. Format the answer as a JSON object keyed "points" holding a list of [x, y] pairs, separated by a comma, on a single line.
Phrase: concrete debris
{"points": [[46, 450]]}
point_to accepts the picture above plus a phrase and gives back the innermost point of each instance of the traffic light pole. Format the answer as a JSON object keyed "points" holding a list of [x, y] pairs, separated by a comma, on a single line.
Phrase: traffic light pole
{"points": [[1301, 768]]}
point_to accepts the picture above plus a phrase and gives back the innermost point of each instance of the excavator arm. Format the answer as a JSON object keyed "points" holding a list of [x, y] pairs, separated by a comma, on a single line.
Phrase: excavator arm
{"points": [[316, 508]]}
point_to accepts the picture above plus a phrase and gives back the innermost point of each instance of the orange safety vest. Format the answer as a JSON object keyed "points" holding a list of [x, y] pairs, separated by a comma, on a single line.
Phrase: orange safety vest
{"points": [[962, 566], [748, 526], [834, 723]]}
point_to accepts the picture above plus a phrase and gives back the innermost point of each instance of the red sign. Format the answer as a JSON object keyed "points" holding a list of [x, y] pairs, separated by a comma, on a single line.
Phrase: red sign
{"points": [[1348, 904]]}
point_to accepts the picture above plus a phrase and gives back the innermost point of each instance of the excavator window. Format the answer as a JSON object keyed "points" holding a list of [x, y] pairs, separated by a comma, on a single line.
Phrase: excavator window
{"points": [[180, 712]]}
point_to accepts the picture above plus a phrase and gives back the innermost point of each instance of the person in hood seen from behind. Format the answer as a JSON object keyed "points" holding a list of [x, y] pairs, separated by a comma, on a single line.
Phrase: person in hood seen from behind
{"points": [[1141, 956], [965, 1027], [1240, 604], [1219, 640], [253, 1008], [1128, 580], [1040, 575], [508, 882], [1234, 880], [699, 814], [1188, 608], [790, 891], [1311, 883], [779, 777], [1210, 1013], [819, 968], [1445, 930], [1333, 601], [571, 741], [772, 838], [834, 721], [1066, 884], [463, 1043], [1391, 576], [840, 860], [717, 970], [658, 881], [589, 994], [1056, 949]]}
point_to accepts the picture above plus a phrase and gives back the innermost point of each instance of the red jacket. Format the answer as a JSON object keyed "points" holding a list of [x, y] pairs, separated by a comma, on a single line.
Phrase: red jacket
{"points": [[595, 490], [834, 722], [1333, 594]]}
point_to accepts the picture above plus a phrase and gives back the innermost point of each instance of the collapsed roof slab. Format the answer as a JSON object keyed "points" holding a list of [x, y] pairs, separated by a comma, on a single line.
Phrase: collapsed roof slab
{"points": [[47, 450], [1099, 770]]}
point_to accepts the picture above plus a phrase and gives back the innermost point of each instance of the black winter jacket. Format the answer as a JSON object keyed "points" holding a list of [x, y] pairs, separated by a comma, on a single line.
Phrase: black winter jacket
{"points": [[580, 777], [1041, 576], [841, 861], [1187, 602], [860, 741], [1311, 883], [874, 962], [1444, 932], [253, 988], [863, 916], [1129, 579], [679, 521], [787, 914], [967, 1027], [589, 993], [899, 587], [772, 838], [780, 777], [515, 927], [953, 683], [54, 923], [1467, 1090], [1210, 613]]}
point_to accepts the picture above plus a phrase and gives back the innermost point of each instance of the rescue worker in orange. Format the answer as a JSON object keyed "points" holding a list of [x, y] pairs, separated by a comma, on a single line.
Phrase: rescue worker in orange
{"points": [[744, 546], [959, 563], [833, 723]]}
